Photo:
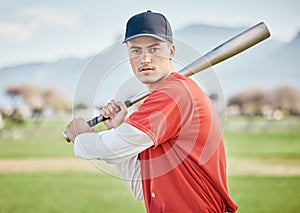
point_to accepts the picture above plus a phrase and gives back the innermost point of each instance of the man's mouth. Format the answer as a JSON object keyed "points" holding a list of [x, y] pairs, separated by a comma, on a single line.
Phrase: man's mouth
{"points": [[145, 69]]}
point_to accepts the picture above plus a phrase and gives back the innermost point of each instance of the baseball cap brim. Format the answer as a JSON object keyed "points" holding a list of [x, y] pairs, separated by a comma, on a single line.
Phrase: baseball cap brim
{"points": [[145, 34]]}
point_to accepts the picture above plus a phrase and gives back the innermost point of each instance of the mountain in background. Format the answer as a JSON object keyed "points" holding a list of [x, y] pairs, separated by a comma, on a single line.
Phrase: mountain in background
{"points": [[62, 74], [269, 63]]}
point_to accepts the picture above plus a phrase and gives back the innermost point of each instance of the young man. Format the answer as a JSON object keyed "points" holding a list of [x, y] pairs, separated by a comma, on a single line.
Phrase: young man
{"points": [[170, 152]]}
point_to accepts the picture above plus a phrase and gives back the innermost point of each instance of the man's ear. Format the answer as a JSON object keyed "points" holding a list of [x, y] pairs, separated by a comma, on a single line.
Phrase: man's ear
{"points": [[172, 50]]}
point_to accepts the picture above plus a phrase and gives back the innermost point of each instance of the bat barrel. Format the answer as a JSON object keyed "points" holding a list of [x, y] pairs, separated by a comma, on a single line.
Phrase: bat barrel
{"points": [[228, 49]]}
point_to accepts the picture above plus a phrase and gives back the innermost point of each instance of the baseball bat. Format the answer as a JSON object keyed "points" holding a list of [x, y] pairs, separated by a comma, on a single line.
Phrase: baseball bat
{"points": [[229, 48]]}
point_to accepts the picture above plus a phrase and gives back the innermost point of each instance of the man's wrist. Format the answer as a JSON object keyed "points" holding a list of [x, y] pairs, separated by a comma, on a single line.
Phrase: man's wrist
{"points": [[100, 127]]}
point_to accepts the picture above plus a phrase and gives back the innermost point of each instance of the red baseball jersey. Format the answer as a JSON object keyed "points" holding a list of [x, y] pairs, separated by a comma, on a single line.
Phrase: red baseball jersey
{"points": [[185, 170]]}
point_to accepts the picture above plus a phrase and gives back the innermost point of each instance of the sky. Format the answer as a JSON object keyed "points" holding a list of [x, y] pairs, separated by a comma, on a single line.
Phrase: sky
{"points": [[49, 30]]}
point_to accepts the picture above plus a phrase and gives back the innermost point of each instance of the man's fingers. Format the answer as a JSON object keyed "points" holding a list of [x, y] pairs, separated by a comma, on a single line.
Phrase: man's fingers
{"points": [[76, 127], [105, 111], [115, 106], [70, 131], [121, 105], [111, 109], [114, 109]]}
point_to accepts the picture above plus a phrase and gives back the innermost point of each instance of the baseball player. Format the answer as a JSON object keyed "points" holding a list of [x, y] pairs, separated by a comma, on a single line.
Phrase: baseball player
{"points": [[170, 151]]}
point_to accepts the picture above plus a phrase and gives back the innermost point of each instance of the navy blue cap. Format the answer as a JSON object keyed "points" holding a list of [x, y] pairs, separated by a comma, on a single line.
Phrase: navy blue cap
{"points": [[148, 24]]}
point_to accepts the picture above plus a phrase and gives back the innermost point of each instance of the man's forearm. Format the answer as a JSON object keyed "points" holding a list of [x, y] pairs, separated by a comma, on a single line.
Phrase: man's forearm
{"points": [[113, 145]]}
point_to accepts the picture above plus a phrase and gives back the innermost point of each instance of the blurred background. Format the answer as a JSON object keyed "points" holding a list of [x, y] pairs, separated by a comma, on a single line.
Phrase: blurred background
{"points": [[45, 45]]}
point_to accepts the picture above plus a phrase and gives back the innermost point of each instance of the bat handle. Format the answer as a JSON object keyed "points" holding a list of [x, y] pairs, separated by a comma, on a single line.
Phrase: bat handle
{"points": [[98, 119], [66, 136]]}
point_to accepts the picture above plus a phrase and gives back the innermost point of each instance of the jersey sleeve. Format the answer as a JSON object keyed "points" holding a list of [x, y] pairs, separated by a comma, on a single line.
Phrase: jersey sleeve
{"points": [[161, 115]]}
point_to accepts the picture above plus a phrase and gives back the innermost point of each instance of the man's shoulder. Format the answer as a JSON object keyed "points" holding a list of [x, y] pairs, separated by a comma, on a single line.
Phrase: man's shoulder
{"points": [[178, 83], [178, 76], [175, 88]]}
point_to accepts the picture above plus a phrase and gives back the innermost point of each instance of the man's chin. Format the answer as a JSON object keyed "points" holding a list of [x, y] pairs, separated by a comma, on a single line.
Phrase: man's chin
{"points": [[150, 78]]}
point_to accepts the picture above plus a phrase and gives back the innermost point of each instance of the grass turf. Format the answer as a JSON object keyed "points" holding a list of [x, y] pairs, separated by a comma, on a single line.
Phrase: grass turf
{"points": [[263, 139], [265, 194], [35, 140], [65, 192], [90, 192]]}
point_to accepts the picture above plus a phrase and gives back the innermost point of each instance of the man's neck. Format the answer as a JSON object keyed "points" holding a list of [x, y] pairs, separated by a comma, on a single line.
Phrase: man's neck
{"points": [[152, 87]]}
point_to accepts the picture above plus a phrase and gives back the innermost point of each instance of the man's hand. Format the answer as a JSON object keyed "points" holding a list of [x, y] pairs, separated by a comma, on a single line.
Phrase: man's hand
{"points": [[76, 127], [116, 111]]}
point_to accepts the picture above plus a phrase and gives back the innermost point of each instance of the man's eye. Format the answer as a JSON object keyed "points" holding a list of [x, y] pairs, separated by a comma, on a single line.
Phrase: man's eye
{"points": [[136, 51], [154, 49]]}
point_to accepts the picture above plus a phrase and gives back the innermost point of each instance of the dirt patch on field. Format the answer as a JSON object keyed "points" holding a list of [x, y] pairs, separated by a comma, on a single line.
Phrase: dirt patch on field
{"points": [[45, 164], [236, 166], [261, 166]]}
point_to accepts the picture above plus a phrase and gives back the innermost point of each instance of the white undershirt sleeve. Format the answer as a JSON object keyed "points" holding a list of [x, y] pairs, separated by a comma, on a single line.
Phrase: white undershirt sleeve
{"points": [[130, 172], [113, 145], [119, 146]]}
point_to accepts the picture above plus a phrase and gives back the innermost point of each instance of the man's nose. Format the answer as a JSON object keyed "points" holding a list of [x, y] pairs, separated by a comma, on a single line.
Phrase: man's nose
{"points": [[146, 59]]}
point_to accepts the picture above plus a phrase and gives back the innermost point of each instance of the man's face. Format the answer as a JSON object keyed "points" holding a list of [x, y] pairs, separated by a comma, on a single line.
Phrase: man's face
{"points": [[150, 60]]}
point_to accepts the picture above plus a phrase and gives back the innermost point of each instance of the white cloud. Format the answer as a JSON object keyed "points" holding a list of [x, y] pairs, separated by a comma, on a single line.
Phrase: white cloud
{"points": [[27, 21], [50, 16], [15, 31]]}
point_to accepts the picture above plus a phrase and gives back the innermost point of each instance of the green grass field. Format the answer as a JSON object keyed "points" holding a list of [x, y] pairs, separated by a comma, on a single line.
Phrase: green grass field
{"points": [[99, 192], [87, 192], [263, 139], [265, 194], [65, 192], [35, 140]]}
